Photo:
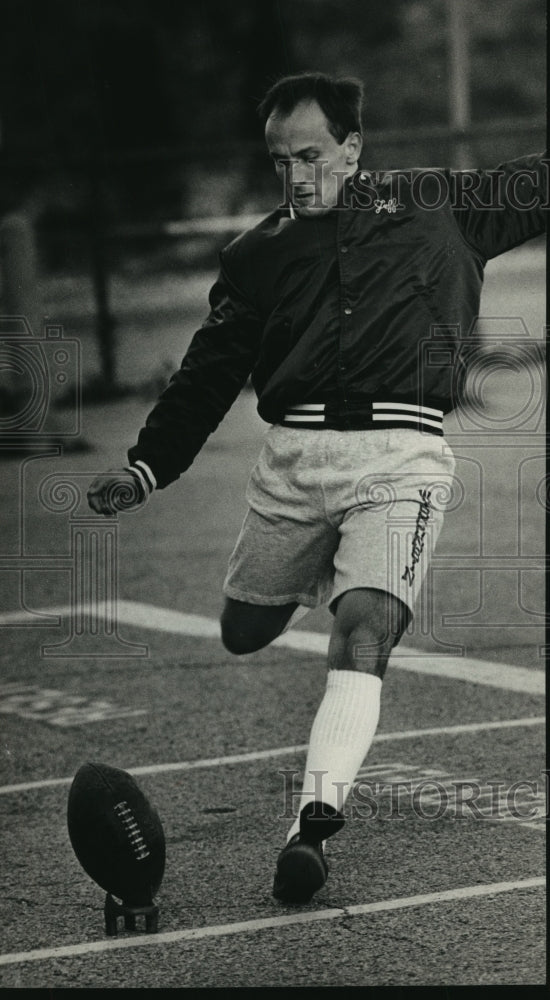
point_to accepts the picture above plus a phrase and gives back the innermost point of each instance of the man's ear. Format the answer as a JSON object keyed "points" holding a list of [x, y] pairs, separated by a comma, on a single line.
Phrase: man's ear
{"points": [[353, 144]]}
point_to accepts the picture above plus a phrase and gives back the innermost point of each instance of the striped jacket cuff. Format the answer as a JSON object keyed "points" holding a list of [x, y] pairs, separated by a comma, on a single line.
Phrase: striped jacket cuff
{"points": [[144, 474]]}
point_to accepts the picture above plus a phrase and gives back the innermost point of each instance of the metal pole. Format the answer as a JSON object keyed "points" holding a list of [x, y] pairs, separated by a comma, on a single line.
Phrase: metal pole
{"points": [[105, 323], [459, 78], [18, 259]]}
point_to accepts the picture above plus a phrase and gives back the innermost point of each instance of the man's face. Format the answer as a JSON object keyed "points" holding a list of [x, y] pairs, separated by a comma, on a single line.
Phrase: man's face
{"points": [[308, 157]]}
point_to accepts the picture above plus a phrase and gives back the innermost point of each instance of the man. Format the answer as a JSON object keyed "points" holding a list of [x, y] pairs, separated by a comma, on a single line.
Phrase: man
{"points": [[349, 307]]}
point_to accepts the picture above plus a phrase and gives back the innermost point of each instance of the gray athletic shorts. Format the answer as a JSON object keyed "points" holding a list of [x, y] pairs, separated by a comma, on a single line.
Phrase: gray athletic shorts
{"points": [[330, 511]]}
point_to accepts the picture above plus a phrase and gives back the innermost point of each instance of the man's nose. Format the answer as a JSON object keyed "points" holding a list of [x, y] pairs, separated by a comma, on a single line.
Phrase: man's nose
{"points": [[302, 173]]}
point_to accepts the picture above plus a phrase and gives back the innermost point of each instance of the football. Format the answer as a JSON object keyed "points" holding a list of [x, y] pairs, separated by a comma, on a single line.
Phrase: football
{"points": [[116, 833]]}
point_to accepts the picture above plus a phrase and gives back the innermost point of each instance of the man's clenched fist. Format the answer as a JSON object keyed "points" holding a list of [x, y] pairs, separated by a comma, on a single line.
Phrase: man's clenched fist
{"points": [[115, 491]]}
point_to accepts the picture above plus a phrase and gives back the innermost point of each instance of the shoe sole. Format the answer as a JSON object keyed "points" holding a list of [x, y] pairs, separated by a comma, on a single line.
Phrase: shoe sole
{"points": [[300, 873]]}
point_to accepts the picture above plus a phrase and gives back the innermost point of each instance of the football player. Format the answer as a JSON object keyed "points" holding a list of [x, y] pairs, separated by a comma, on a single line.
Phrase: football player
{"points": [[348, 307]]}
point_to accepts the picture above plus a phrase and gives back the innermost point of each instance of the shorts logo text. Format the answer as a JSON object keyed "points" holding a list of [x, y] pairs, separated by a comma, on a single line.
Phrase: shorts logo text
{"points": [[419, 535]]}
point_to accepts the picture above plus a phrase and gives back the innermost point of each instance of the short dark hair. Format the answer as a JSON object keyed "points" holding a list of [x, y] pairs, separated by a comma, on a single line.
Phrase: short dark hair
{"points": [[341, 100]]}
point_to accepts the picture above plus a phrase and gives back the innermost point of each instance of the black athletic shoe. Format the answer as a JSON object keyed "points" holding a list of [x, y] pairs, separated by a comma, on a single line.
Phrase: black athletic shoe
{"points": [[301, 865]]}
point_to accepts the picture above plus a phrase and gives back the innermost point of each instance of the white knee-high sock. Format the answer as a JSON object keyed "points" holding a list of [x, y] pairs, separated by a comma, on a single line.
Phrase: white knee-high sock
{"points": [[341, 735]]}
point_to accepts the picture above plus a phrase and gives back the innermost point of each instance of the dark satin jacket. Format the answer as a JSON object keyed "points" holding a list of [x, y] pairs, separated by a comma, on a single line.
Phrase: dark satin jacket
{"points": [[376, 300]]}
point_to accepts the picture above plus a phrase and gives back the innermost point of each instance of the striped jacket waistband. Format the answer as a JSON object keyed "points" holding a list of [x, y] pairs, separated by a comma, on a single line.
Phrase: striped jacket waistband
{"points": [[372, 415]]}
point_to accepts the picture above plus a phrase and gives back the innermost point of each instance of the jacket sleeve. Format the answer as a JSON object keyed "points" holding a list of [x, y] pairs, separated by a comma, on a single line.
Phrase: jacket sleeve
{"points": [[215, 368], [498, 209]]}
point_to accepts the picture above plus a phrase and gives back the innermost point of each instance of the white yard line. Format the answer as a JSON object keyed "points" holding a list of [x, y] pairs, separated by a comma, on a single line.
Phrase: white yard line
{"points": [[244, 758], [500, 675], [486, 672], [268, 923]]}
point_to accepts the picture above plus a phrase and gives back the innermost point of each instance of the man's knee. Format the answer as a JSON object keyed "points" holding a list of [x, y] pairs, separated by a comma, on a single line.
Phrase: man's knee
{"points": [[368, 624], [376, 611], [240, 639], [249, 627]]}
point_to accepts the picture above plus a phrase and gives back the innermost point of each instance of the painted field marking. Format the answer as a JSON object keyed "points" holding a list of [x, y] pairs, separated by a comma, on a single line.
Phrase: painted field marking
{"points": [[486, 672], [59, 708], [147, 616], [269, 923], [253, 755]]}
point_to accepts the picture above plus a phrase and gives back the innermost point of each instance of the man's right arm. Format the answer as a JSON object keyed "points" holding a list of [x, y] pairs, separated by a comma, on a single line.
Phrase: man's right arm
{"points": [[212, 373]]}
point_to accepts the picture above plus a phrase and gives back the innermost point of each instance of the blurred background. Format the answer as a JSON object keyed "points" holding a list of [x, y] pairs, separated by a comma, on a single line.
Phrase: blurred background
{"points": [[131, 151]]}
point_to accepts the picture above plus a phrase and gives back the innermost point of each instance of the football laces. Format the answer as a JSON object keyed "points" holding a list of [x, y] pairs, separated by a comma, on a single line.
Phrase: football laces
{"points": [[132, 830]]}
